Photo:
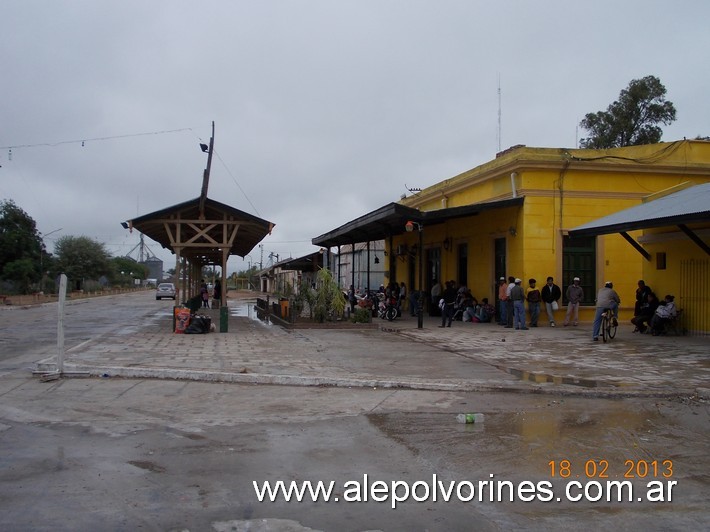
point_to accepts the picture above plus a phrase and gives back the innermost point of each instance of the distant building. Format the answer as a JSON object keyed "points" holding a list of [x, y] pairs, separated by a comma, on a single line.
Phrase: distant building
{"points": [[155, 268], [360, 267]]}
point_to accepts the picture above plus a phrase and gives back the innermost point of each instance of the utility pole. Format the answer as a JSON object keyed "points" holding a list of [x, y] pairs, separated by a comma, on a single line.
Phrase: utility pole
{"points": [[206, 175]]}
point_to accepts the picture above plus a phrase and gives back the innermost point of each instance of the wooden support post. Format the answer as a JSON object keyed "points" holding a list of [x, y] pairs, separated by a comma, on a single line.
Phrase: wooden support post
{"points": [[636, 245], [695, 238]]}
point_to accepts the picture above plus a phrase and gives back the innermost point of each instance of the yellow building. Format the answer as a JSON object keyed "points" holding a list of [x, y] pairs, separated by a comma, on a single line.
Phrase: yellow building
{"points": [[511, 217]]}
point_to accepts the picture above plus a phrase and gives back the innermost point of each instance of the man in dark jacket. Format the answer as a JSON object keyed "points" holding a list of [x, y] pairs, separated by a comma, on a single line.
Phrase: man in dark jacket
{"points": [[449, 299], [642, 293], [551, 294]]}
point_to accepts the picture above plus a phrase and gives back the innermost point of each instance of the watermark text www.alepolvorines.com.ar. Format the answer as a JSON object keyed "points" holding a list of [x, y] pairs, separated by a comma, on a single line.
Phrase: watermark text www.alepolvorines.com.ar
{"points": [[483, 491]]}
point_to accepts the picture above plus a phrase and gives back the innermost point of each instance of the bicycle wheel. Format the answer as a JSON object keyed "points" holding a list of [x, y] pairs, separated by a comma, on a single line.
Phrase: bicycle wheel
{"points": [[612, 328], [391, 313], [605, 327]]}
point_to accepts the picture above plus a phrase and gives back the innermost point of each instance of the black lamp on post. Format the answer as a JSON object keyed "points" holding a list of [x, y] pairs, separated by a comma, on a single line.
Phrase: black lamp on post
{"points": [[409, 226]]}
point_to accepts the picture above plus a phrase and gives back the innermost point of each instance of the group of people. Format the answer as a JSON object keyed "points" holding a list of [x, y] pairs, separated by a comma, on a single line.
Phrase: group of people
{"points": [[454, 302], [394, 293], [650, 314], [205, 293], [513, 296]]}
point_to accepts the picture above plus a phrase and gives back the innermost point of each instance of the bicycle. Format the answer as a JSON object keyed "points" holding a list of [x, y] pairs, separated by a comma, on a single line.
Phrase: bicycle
{"points": [[609, 325], [388, 309]]}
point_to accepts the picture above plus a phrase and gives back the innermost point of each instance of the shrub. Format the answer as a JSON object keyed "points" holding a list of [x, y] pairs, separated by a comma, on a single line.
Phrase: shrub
{"points": [[361, 315]]}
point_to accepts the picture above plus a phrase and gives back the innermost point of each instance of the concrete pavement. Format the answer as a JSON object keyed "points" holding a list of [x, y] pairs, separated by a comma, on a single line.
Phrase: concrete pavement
{"points": [[465, 357]]}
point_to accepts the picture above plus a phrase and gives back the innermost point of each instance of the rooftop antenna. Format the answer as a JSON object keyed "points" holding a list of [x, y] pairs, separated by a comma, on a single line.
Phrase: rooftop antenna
{"points": [[499, 113]]}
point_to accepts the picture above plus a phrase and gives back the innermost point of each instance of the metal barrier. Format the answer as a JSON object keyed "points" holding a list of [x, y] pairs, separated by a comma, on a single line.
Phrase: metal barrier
{"points": [[694, 297]]}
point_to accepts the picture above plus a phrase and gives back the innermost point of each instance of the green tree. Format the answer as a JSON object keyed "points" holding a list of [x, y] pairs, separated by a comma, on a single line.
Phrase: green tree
{"points": [[21, 247], [125, 269], [329, 300], [81, 258], [631, 120]]}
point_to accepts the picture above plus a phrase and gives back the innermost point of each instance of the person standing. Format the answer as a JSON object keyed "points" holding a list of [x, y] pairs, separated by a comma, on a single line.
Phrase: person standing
{"points": [[449, 299], [551, 294], [509, 307], [217, 293], [607, 298], [351, 298], [205, 295], [435, 297], [517, 296], [575, 295], [502, 301], [532, 294], [402, 297]]}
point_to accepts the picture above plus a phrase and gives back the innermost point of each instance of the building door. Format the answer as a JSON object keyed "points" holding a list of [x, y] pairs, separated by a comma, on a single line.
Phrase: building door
{"points": [[500, 258], [462, 270], [579, 259]]}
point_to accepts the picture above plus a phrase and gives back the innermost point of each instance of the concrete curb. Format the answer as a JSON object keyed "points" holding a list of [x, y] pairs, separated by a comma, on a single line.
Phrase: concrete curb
{"points": [[77, 371]]}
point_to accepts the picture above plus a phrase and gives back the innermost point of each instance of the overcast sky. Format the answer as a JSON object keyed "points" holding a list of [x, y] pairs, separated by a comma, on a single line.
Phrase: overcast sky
{"points": [[324, 110]]}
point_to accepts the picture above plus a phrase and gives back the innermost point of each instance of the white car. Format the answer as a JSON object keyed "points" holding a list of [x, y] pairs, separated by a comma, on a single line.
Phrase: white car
{"points": [[165, 290]]}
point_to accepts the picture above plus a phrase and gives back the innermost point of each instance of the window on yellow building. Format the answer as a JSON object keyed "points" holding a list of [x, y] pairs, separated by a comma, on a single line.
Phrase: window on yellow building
{"points": [[579, 258], [661, 260]]}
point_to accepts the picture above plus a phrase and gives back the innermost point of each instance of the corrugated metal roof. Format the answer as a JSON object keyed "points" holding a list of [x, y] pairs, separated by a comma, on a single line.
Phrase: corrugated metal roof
{"points": [[685, 206]]}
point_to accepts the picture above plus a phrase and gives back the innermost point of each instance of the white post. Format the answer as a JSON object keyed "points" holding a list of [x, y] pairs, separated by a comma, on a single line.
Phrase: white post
{"points": [[60, 323]]}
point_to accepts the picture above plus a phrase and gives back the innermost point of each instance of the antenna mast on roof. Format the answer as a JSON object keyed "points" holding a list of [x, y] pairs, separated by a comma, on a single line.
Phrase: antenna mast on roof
{"points": [[499, 113]]}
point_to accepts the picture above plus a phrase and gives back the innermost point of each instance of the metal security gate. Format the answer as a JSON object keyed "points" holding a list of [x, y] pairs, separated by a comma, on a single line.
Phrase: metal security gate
{"points": [[695, 296]]}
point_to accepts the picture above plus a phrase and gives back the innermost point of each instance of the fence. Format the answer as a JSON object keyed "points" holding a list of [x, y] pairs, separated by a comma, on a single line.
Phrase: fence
{"points": [[39, 298], [694, 297]]}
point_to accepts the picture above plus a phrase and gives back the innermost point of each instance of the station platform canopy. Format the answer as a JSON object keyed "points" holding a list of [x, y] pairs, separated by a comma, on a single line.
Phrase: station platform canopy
{"points": [[203, 232]]}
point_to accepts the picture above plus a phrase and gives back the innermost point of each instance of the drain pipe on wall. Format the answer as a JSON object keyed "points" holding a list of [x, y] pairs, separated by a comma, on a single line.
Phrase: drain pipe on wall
{"points": [[513, 175]]}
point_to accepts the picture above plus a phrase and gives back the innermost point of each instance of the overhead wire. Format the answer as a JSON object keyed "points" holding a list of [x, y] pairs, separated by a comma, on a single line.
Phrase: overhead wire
{"points": [[236, 183], [83, 140]]}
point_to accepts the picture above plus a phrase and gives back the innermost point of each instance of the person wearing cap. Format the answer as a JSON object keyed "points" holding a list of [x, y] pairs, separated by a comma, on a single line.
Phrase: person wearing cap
{"points": [[517, 296], [575, 295], [532, 294], [607, 298], [551, 294], [502, 298]]}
